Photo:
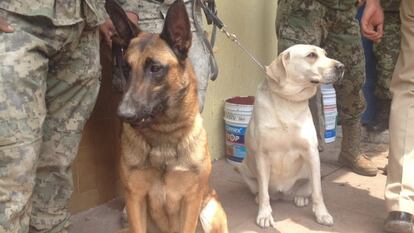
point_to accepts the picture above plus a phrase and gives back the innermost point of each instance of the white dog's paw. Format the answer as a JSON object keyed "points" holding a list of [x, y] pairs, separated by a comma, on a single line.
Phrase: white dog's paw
{"points": [[322, 216], [301, 201], [324, 219], [265, 218]]}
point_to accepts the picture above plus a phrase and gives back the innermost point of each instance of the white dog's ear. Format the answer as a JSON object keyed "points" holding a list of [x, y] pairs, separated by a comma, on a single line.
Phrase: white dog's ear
{"points": [[277, 69]]}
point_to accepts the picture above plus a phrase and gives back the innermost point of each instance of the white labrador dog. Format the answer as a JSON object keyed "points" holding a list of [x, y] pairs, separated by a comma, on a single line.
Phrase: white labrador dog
{"points": [[283, 157]]}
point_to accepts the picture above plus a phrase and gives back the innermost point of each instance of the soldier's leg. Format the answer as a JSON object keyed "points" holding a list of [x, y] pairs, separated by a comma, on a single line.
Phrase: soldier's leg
{"points": [[23, 72], [386, 53], [301, 22], [72, 88], [399, 191], [344, 44], [199, 53]]}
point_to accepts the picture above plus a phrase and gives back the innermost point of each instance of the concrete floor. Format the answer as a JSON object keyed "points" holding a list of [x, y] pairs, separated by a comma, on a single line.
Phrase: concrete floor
{"points": [[355, 202]]}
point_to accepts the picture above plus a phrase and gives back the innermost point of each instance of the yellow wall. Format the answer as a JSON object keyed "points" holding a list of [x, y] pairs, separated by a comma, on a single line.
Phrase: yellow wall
{"points": [[253, 23]]}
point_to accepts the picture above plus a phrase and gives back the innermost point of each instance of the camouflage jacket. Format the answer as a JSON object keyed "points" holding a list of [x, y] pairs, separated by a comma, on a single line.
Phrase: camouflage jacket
{"points": [[152, 13], [339, 4], [151, 9], [64, 12], [391, 5]]}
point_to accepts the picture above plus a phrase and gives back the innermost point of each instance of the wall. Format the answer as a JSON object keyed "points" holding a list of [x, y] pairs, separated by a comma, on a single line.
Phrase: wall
{"points": [[253, 23], [95, 169]]}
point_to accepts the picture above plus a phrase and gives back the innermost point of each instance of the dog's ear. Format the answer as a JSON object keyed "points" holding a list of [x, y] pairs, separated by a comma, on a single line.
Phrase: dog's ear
{"points": [[126, 29], [177, 29], [277, 69]]}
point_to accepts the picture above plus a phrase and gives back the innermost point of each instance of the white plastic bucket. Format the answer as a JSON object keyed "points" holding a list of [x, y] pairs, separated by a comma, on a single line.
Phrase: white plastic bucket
{"points": [[237, 114], [330, 112]]}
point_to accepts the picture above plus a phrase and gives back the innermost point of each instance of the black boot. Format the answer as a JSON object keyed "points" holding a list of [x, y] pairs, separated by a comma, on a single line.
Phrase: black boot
{"points": [[380, 123], [399, 222]]}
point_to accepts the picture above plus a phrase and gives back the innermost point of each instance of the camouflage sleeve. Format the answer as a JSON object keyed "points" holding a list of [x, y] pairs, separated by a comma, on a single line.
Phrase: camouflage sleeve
{"points": [[391, 5], [127, 5], [130, 5], [101, 9]]}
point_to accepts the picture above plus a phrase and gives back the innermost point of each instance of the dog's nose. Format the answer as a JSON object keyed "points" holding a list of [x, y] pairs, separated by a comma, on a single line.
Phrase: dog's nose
{"points": [[126, 112], [127, 116]]}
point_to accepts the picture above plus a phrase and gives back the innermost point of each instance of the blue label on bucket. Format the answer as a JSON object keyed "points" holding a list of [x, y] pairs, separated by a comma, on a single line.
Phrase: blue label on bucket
{"points": [[235, 148], [239, 152], [235, 134], [330, 133]]}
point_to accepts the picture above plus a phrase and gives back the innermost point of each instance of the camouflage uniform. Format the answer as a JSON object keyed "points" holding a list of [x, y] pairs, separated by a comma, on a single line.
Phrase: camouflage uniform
{"points": [[331, 24], [151, 19], [49, 81], [386, 52]]}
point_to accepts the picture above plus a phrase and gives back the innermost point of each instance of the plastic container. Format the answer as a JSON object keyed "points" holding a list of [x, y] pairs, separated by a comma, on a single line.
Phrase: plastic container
{"points": [[330, 112], [237, 114]]}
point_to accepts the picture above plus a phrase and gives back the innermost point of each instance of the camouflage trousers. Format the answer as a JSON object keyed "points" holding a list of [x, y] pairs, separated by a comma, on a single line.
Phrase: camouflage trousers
{"points": [[151, 19], [386, 54], [338, 32], [49, 81]]}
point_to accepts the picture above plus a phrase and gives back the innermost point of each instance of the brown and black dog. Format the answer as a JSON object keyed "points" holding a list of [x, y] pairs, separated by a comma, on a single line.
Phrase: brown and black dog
{"points": [[165, 163]]}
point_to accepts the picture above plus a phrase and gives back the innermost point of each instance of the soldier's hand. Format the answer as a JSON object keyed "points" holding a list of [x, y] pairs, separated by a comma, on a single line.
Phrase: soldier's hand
{"points": [[108, 30], [372, 22], [4, 26]]}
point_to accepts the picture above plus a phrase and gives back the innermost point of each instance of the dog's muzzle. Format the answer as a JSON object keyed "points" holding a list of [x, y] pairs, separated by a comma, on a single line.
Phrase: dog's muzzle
{"points": [[139, 115]]}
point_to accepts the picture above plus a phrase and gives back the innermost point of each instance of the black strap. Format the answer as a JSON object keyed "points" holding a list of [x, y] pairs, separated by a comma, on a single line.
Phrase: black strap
{"points": [[200, 32], [210, 11]]}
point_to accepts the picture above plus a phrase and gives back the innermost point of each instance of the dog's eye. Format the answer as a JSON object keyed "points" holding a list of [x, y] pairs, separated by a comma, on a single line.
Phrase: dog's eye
{"points": [[155, 68], [312, 55]]}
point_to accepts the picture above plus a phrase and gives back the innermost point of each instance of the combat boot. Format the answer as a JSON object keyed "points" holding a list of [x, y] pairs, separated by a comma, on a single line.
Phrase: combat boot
{"points": [[351, 155], [380, 123]]}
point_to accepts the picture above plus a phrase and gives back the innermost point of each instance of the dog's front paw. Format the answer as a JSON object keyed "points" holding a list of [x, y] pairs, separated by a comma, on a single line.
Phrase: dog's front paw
{"points": [[301, 201], [325, 219], [322, 216], [265, 218]]}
